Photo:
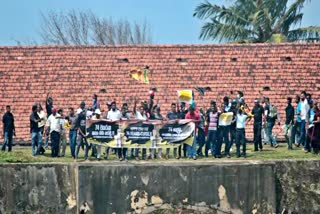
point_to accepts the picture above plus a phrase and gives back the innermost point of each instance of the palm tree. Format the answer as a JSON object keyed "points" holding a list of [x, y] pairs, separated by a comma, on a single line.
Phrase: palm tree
{"points": [[255, 21]]}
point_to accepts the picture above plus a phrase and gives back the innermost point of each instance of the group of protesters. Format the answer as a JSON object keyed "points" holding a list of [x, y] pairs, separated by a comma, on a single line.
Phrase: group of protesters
{"points": [[301, 127]]}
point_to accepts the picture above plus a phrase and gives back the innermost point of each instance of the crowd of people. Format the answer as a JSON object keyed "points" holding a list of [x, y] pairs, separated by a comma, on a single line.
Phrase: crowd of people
{"points": [[301, 127]]}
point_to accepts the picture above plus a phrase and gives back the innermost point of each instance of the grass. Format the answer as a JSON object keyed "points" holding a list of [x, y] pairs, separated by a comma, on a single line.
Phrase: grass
{"points": [[23, 155]]}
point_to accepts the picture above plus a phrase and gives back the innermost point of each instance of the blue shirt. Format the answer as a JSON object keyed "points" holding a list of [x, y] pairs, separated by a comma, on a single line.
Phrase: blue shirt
{"points": [[298, 110], [312, 114]]}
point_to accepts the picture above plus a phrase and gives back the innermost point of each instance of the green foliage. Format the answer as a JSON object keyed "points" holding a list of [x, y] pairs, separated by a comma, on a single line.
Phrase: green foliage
{"points": [[253, 21]]}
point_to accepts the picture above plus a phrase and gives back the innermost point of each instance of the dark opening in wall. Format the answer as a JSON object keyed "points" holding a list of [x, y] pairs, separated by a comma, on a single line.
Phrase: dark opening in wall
{"points": [[181, 60], [233, 59], [286, 59], [266, 88], [123, 60], [103, 90]]}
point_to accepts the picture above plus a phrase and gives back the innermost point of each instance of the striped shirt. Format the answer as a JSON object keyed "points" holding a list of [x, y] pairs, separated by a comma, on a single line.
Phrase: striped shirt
{"points": [[213, 121]]}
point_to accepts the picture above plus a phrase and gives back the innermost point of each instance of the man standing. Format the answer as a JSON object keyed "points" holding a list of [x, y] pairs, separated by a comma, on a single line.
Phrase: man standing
{"points": [[241, 119], [35, 131], [272, 116], [8, 129], [181, 115], [295, 133], [49, 106], [73, 131], [114, 113], [258, 113], [53, 124], [63, 137], [172, 115], [304, 117], [224, 132], [192, 115], [289, 122], [81, 136], [212, 120]]}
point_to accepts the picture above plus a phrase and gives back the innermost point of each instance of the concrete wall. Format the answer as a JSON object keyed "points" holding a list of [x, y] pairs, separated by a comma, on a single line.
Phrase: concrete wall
{"points": [[163, 187]]}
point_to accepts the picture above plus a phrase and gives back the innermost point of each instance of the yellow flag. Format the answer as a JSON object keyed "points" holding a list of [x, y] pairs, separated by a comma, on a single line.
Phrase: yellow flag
{"points": [[142, 75]]}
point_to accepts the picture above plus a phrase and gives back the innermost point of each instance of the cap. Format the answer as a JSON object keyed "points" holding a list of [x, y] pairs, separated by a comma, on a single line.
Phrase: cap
{"points": [[54, 110], [108, 103], [97, 111], [256, 100]]}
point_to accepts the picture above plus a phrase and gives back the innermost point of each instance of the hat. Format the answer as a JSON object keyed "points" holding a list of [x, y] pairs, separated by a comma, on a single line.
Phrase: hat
{"points": [[79, 110], [54, 110], [256, 100], [108, 103], [97, 111], [82, 103]]}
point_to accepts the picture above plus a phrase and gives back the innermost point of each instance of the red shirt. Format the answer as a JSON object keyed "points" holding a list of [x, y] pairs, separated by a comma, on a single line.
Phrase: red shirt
{"points": [[194, 116]]}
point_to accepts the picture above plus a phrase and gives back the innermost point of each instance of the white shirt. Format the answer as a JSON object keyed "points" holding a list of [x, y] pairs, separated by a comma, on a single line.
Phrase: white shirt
{"points": [[54, 123], [241, 121], [304, 109], [139, 116], [114, 115], [42, 122]]}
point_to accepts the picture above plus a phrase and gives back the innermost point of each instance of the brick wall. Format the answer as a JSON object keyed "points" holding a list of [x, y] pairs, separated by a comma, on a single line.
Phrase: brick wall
{"points": [[74, 73]]}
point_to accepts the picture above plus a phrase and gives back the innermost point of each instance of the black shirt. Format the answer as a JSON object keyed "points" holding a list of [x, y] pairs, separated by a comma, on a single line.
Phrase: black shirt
{"points": [[34, 125], [289, 114], [81, 122], [182, 114], [8, 122], [257, 111], [49, 109]]}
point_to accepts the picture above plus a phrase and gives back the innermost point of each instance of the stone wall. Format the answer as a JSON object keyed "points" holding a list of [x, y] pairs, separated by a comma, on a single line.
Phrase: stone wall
{"points": [[162, 187]]}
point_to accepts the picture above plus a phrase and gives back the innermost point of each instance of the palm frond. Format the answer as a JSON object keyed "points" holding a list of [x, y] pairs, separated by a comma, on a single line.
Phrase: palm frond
{"points": [[224, 32], [304, 34]]}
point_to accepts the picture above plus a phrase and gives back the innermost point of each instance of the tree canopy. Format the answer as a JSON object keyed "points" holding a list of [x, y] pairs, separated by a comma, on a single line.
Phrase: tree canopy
{"points": [[255, 21]]}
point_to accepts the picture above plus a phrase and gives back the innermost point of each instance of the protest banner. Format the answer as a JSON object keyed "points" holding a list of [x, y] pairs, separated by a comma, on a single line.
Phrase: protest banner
{"points": [[140, 134]]}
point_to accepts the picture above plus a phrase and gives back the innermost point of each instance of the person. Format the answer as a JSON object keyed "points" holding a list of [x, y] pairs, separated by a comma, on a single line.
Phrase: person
{"points": [[81, 135], [193, 115], [212, 120], [181, 116], [314, 134], [49, 106], [309, 128], [72, 118], [271, 117], [295, 132], [264, 135], [140, 115], [233, 130], [114, 113], [224, 131], [63, 136], [172, 115], [303, 115], [201, 135], [241, 119], [36, 139], [289, 122], [53, 126], [258, 117], [95, 104], [8, 129], [97, 147], [42, 123]]}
